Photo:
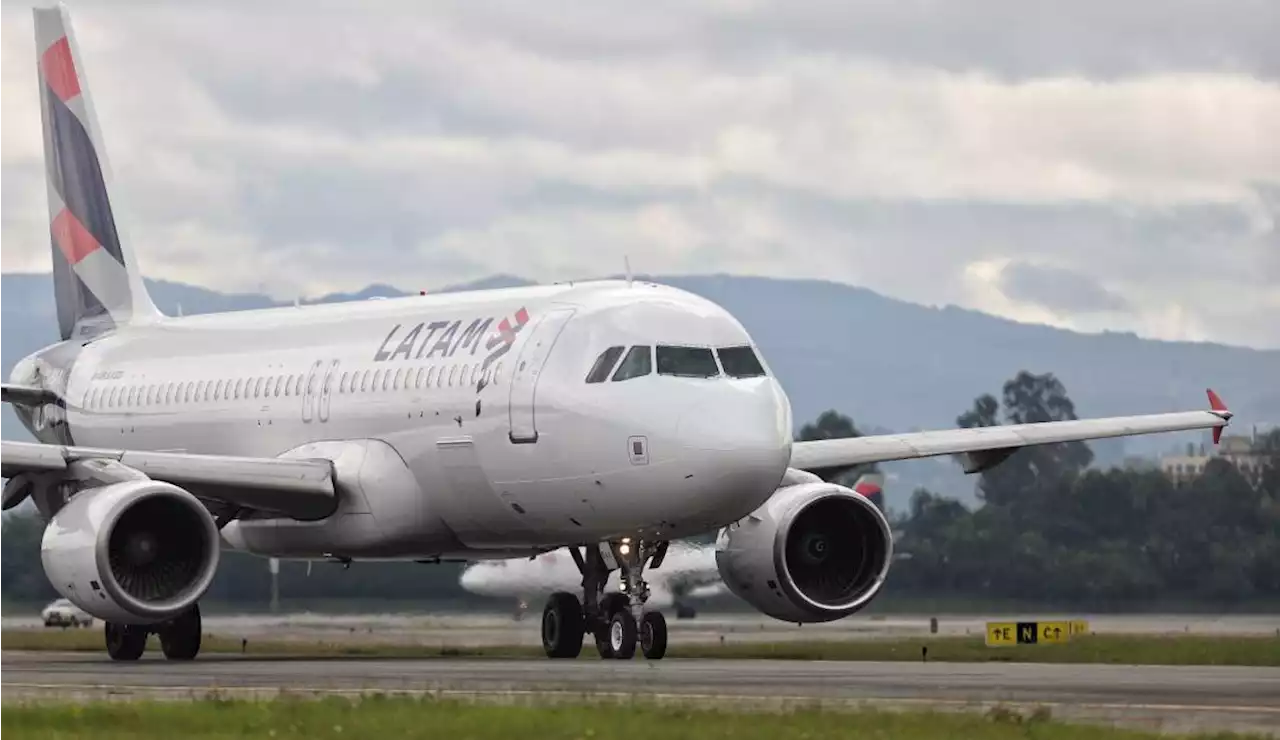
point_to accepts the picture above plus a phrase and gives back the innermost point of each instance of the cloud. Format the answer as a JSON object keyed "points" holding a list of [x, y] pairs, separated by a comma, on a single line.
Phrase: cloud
{"points": [[1057, 289], [935, 152]]}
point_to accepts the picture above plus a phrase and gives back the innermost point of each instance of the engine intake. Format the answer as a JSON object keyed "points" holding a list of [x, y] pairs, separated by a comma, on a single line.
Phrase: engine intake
{"points": [[815, 552], [135, 552]]}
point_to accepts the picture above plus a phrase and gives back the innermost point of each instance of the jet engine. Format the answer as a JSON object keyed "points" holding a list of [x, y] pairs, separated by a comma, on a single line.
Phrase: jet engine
{"points": [[814, 552], [133, 552]]}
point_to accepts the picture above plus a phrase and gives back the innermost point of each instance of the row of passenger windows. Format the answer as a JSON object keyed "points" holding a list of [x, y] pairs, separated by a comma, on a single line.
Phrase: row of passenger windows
{"points": [[685, 362], [203, 391]]}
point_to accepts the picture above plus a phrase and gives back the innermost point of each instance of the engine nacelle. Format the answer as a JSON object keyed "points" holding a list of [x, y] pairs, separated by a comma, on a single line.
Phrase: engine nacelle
{"points": [[135, 552], [815, 552]]}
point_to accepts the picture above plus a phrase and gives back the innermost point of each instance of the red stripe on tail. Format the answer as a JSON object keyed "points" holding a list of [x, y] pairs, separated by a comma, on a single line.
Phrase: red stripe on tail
{"points": [[72, 237], [59, 70]]}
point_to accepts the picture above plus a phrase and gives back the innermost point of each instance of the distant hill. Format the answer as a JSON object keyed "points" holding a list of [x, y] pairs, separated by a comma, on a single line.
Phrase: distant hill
{"points": [[889, 364]]}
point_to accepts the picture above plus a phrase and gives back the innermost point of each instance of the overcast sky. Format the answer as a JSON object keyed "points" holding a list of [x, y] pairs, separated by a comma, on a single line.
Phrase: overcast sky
{"points": [[1094, 164]]}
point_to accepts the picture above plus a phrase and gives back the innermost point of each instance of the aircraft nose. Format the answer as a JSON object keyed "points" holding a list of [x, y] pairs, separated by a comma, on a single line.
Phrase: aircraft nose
{"points": [[740, 438], [747, 420]]}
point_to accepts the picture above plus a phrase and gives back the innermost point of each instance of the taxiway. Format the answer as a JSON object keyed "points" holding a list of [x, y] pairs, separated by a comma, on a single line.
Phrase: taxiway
{"points": [[1157, 697]]}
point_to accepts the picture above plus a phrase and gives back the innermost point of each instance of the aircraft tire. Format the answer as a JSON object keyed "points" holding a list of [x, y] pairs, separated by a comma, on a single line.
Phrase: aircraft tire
{"points": [[124, 641], [623, 635], [653, 635], [562, 628], [609, 605], [180, 639]]}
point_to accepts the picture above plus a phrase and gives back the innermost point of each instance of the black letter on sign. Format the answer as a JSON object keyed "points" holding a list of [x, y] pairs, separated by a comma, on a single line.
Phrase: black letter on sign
{"points": [[432, 328], [406, 344], [446, 339]]}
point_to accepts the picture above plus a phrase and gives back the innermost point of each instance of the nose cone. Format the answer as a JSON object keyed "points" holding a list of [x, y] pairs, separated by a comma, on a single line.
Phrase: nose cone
{"points": [[740, 438]]}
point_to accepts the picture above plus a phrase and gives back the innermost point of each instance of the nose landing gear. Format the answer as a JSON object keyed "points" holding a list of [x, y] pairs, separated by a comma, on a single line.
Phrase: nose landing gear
{"points": [[617, 621]]}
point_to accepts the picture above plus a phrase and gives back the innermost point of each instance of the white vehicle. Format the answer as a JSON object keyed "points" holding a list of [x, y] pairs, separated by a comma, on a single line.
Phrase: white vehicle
{"points": [[606, 417], [687, 573], [63, 613]]}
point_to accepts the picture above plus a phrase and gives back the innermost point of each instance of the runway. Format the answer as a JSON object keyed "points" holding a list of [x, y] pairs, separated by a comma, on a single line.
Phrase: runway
{"points": [[1154, 697]]}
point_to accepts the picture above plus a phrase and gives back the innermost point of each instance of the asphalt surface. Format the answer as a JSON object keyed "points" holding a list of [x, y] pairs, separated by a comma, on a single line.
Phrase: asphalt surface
{"points": [[1156, 697]]}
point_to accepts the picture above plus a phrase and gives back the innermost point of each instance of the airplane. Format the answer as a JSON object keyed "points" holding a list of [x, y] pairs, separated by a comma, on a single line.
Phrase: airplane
{"points": [[607, 417], [689, 572]]}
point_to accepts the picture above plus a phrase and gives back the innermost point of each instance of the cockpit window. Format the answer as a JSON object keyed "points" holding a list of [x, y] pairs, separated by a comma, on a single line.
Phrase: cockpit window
{"points": [[604, 363], [688, 362], [638, 362], [740, 362]]}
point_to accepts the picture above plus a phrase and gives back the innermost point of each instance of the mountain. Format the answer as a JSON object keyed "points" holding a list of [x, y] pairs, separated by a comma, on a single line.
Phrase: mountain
{"points": [[889, 364]]}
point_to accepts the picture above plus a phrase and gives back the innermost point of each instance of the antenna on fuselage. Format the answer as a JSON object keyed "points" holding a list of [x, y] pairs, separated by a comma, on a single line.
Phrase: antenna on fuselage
{"points": [[626, 263]]}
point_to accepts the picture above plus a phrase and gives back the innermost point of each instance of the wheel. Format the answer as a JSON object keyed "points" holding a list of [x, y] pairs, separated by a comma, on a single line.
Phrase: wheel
{"points": [[609, 605], [622, 635], [562, 628], [124, 641], [180, 639], [653, 635]]}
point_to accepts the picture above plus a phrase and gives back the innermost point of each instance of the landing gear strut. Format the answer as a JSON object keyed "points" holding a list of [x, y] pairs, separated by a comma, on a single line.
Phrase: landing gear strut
{"points": [[617, 621], [179, 637]]}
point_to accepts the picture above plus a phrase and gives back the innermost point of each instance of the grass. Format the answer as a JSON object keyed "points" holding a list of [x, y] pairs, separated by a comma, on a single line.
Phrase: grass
{"points": [[405, 718], [1116, 649]]}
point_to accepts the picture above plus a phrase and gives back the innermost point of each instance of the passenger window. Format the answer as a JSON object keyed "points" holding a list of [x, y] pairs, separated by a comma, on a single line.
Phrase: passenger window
{"points": [[311, 383], [453, 374], [462, 376], [687, 362], [217, 391], [286, 385], [399, 377], [199, 390], [270, 387], [638, 362], [740, 362], [239, 388], [475, 374], [187, 392], [377, 378], [342, 384], [604, 363], [431, 375], [168, 393], [417, 383], [257, 387]]}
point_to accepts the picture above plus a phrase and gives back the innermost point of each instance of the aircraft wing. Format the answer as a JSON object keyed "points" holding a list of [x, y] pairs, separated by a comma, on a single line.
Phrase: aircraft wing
{"points": [[300, 488], [984, 447], [25, 395]]}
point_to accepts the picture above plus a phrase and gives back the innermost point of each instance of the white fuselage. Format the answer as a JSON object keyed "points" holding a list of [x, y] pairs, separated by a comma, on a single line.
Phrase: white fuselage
{"points": [[456, 456], [685, 570]]}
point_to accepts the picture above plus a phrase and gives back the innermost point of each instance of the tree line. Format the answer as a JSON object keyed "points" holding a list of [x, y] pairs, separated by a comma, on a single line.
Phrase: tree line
{"points": [[1048, 529]]}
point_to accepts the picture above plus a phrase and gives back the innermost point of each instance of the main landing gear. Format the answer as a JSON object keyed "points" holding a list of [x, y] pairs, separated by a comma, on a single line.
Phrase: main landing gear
{"points": [[617, 621], [179, 637]]}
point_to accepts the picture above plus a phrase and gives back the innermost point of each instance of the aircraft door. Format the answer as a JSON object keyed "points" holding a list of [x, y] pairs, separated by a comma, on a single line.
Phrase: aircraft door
{"points": [[309, 391], [528, 367], [326, 390]]}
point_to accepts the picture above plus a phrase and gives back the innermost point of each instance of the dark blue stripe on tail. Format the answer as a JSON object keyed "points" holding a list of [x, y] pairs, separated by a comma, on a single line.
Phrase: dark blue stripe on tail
{"points": [[74, 171]]}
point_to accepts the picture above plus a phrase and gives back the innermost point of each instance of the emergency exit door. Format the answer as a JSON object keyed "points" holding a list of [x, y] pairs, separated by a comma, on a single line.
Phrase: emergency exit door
{"points": [[527, 370]]}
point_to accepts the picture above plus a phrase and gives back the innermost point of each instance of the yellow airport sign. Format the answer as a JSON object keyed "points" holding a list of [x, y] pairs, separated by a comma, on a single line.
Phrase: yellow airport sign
{"points": [[1003, 634], [1079, 627]]}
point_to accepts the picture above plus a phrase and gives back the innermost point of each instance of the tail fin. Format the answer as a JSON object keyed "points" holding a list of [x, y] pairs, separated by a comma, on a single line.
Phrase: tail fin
{"points": [[871, 485], [96, 279]]}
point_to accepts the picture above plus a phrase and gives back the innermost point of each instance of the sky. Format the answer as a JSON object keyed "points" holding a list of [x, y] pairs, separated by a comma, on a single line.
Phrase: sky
{"points": [[1092, 165]]}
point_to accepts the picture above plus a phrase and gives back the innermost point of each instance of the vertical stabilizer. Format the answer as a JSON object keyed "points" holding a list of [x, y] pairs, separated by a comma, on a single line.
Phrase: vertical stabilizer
{"points": [[95, 275]]}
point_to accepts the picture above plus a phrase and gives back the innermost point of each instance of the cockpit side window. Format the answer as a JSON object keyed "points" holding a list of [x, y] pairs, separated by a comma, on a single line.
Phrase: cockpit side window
{"points": [[740, 362], [604, 363], [638, 362], [687, 362]]}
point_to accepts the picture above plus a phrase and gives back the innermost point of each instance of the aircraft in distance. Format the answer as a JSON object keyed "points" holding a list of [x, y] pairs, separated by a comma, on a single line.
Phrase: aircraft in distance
{"points": [[689, 572], [607, 417]]}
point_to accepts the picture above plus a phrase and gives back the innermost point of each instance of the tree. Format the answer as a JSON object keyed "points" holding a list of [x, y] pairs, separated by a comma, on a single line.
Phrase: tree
{"points": [[1028, 399]]}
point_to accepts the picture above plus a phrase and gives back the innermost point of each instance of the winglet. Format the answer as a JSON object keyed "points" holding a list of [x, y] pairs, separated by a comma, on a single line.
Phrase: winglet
{"points": [[1218, 407]]}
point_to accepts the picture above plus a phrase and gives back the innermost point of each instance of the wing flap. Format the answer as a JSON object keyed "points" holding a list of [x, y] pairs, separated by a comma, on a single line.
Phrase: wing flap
{"points": [[303, 489], [984, 447]]}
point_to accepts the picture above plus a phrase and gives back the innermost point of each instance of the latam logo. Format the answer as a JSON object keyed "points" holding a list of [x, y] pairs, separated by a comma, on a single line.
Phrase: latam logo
{"points": [[443, 339]]}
